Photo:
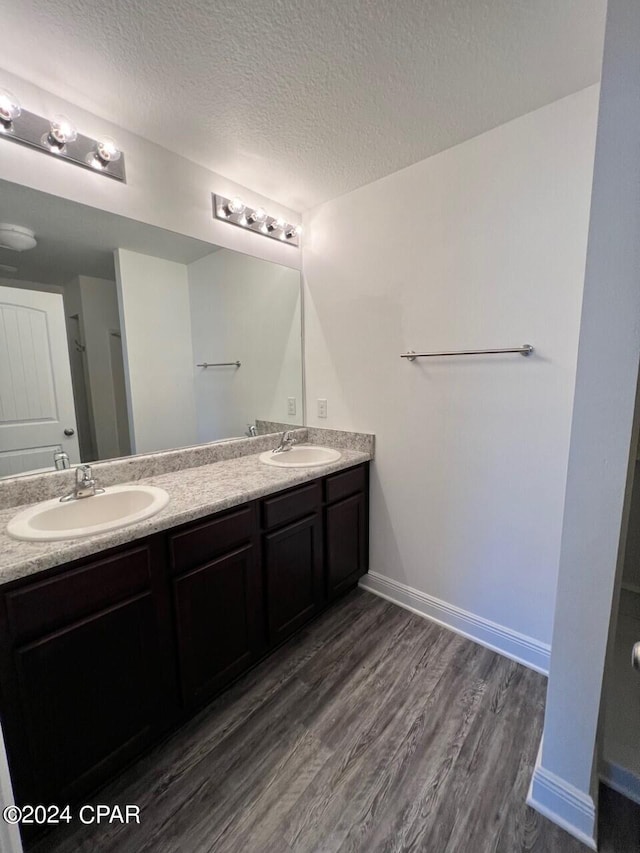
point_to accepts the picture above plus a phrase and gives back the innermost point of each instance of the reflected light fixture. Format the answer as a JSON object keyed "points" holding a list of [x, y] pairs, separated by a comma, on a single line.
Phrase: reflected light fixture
{"points": [[58, 136], [236, 212]]}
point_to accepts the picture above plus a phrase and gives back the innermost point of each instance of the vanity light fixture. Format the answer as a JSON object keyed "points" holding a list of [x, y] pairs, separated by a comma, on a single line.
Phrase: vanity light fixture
{"points": [[258, 215], [236, 212], [106, 152], [292, 231], [235, 206], [10, 109], [58, 137], [276, 225], [60, 132]]}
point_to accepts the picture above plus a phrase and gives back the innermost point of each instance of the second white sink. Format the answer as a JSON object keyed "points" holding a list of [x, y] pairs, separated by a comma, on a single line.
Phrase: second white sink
{"points": [[117, 507], [301, 456]]}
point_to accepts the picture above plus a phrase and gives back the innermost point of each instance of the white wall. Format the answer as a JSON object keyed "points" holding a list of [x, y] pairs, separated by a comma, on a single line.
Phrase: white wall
{"points": [[601, 461], [244, 309], [100, 316], [162, 188], [482, 245], [155, 322]]}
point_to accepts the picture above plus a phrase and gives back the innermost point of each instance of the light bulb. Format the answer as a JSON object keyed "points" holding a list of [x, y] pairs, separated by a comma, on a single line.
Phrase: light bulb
{"points": [[277, 225], [108, 151], [62, 131], [258, 216], [9, 107], [293, 231], [235, 206]]}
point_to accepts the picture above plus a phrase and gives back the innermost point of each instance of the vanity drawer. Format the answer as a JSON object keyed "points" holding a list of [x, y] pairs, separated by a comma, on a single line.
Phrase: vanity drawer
{"points": [[346, 483], [43, 606], [291, 506], [197, 545]]}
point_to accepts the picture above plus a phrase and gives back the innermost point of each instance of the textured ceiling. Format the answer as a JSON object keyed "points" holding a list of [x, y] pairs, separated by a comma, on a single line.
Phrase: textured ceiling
{"points": [[303, 100]]}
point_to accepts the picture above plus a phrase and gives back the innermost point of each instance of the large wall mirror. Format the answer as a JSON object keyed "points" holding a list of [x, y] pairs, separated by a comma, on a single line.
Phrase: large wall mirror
{"points": [[105, 325]]}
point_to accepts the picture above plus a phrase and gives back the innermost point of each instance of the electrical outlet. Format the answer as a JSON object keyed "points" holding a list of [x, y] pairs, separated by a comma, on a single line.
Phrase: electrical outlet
{"points": [[322, 408], [291, 405]]}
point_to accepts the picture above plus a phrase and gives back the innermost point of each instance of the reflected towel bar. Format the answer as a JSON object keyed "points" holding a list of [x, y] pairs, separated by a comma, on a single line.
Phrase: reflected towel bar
{"points": [[219, 364], [525, 349]]}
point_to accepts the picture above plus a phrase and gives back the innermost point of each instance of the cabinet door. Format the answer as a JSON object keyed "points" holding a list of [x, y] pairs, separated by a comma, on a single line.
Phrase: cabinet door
{"points": [[345, 543], [293, 570], [219, 621], [87, 695]]}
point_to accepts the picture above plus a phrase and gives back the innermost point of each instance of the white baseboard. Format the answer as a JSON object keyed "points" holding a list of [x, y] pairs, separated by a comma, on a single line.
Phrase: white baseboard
{"points": [[621, 780], [511, 644], [556, 799]]}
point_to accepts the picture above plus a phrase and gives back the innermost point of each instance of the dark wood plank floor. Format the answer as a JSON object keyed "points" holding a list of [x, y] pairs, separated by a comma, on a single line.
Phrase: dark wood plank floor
{"points": [[372, 730]]}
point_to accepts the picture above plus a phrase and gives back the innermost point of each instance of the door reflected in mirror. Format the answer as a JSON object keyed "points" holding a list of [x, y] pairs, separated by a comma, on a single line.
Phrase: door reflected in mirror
{"points": [[117, 338]]}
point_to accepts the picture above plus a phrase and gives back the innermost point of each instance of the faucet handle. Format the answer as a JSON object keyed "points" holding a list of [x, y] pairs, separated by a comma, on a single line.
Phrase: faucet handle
{"points": [[61, 460], [83, 474]]}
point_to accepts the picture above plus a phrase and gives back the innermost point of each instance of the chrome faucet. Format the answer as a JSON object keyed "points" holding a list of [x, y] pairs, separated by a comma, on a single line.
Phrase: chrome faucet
{"points": [[85, 485], [61, 460], [287, 441]]}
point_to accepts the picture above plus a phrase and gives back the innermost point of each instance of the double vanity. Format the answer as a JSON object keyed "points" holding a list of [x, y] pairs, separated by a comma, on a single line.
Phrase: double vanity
{"points": [[111, 640], [72, 517]]}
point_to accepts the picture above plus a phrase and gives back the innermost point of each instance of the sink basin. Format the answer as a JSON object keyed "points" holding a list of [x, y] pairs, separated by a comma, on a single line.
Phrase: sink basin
{"points": [[301, 456], [117, 507]]}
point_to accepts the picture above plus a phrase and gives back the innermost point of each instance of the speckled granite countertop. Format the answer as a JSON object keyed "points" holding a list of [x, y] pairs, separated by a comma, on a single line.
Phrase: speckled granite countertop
{"points": [[194, 493]]}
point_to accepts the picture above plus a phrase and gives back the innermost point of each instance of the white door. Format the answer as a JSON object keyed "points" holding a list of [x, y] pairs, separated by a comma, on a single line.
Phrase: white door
{"points": [[37, 415]]}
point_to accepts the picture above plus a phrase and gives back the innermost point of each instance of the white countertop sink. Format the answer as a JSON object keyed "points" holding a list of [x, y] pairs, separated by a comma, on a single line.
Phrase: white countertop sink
{"points": [[117, 506], [301, 456]]}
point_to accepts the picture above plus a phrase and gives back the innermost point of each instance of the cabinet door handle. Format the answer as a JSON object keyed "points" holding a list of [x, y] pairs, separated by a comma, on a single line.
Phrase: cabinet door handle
{"points": [[635, 656]]}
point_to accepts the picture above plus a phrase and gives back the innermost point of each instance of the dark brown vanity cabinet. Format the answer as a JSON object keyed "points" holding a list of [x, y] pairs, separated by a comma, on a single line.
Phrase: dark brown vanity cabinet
{"points": [[217, 598], [82, 674], [98, 658], [293, 564], [346, 529], [345, 543]]}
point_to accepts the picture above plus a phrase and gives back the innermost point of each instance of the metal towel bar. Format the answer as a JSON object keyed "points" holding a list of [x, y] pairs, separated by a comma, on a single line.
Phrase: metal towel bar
{"points": [[525, 349], [219, 364]]}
